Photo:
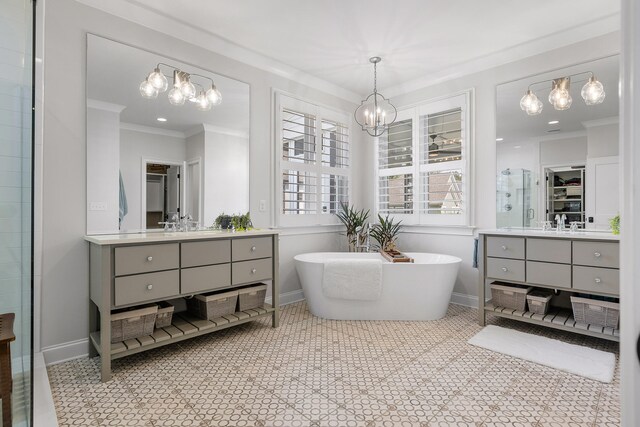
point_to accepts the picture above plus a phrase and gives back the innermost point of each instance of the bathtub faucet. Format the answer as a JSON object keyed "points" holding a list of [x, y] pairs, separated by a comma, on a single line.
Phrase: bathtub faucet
{"points": [[363, 238]]}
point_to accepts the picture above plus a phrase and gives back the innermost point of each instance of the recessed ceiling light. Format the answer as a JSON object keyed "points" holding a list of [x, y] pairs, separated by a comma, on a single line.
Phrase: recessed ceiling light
{"points": [[161, 119], [554, 122], [516, 146], [499, 139]]}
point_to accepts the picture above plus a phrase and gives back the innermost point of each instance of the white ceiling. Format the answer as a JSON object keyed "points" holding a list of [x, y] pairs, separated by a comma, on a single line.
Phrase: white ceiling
{"points": [[115, 71], [514, 125], [331, 40]]}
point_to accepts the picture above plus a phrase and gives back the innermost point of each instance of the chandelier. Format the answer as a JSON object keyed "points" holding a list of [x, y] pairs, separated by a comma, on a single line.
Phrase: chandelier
{"points": [[376, 112], [592, 92], [184, 88]]}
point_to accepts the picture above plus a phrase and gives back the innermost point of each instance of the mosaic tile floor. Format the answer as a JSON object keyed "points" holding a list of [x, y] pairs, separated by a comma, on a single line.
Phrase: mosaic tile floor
{"points": [[316, 372]]}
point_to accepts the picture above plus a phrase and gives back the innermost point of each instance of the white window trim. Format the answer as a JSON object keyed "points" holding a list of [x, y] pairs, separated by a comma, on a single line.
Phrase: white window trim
{"points": [[442, 223], [286, 100]]}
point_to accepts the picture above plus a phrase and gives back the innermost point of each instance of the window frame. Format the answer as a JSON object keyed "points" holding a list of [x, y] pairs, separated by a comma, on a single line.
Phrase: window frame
{"points": [[321, 113], [414, 112]]}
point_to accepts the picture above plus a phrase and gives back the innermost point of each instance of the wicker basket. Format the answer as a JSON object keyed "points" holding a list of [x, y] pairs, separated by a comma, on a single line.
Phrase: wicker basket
{"points": [[538, 302], [165, 314], [129, 324], [212, 305], [513, 297], [596, 312], [251, 297]]}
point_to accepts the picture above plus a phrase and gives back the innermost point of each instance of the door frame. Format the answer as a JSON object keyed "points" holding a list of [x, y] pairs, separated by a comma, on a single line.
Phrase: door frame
{"points": [[143, 186]]}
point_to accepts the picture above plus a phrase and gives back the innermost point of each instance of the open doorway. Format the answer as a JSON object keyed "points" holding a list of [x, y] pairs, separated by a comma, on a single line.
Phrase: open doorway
{"points": [[163, 193]]}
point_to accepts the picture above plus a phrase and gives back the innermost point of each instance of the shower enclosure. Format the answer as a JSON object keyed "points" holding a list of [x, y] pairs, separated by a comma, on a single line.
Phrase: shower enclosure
{"points": [[16, 224], [516, 197]]}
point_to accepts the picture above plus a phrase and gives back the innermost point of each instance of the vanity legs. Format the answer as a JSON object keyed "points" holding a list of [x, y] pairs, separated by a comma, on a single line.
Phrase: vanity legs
{"points": [[275, 284], [482, 285]]}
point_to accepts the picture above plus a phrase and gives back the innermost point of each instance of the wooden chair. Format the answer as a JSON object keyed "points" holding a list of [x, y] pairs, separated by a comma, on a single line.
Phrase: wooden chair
{"points": [[6, 381]]}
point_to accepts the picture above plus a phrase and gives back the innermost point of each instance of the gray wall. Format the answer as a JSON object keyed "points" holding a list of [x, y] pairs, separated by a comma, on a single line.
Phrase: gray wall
{"points": [[65, 290]]}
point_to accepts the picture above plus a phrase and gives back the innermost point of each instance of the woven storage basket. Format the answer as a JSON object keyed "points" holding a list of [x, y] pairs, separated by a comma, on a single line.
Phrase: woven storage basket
{"points": [[129, 324], [251, 297], [595, 312], [210, 306], [165, 314], [538, 302], [513, 297]]}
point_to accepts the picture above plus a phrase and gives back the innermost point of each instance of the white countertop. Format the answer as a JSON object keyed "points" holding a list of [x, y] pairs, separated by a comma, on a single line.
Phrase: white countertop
{"points": [[533, 232], [161, 236]]}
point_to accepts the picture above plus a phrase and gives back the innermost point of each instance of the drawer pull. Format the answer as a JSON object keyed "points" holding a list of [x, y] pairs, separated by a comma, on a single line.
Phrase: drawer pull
{"points": [[254, 271], [598, 280], [505, 269], [253, 248], [149, 287], [149, 258], [597, 254], [504, 248]]}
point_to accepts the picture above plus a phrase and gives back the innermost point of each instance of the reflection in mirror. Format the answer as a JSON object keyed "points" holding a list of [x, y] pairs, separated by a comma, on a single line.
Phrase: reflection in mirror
{"points": [[557, 154], [153, 159]]}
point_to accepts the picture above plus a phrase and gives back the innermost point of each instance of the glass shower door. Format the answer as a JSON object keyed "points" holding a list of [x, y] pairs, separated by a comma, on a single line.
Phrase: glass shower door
{"points": [[16, 225], [515, 198]]}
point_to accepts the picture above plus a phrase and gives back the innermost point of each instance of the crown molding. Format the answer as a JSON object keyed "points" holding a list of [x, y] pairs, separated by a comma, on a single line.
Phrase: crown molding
{"points": [[141, 14], [106, 106], [152, 130], [205, 127], [600, 27], [601, 122]]}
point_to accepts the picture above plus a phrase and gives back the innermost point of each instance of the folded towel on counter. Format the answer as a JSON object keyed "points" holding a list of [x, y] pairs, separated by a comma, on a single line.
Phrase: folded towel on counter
{"points": [[353, 279]]}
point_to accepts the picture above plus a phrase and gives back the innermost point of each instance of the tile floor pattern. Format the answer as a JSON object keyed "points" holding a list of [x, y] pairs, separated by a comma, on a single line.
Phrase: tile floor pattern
{"points": [[317, 372]]}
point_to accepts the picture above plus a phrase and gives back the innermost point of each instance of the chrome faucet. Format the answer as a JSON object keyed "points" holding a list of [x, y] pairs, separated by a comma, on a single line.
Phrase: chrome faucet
{"points": [[560, 221], [363, 237]]}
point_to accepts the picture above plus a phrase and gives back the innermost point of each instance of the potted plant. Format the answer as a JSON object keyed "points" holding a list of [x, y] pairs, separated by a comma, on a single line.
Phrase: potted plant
{"points": [[223, 221], [386, 232], [615, 224], [241, 222], [352, 219]]}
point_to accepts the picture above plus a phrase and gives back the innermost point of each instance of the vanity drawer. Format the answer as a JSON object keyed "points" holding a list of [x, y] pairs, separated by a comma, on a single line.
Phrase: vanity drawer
{"points": [[597, 254], [205, 253], [146, 287], [198, 279], [505, 269], [251, 271], [595, 279], [253, 248], [505, 247], [550, 250], [548, 274], [145, 258]]}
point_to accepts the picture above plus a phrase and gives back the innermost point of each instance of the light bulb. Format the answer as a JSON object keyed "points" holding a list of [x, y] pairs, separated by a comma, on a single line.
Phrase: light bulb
{"points": [[202, 102], [593, 92], [147, 90], [214, 96], [176, 97], [527, 100], [535, 108], [562, 100], [187, 88], [158, 80]]}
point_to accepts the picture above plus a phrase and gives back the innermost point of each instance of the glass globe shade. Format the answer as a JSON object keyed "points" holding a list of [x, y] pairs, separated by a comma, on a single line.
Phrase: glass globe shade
{"points": [[147, 90], [593, 92], [535, 108], [158, 80], [214, 96], [176, 97], [527, 100], [188, 89], [563, 100], [202, 102]]}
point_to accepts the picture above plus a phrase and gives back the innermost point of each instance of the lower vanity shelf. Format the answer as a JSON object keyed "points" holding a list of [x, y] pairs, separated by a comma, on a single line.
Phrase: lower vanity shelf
{"points": [[557, 318], [183, 326]]}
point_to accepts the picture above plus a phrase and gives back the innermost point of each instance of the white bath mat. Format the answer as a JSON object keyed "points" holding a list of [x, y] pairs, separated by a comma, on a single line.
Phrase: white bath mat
{"points": [[587, 362]]}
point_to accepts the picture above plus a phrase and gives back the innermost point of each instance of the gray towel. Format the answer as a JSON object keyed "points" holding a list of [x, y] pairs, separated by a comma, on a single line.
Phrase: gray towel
{"points": [[124, 208], [475, 253]]}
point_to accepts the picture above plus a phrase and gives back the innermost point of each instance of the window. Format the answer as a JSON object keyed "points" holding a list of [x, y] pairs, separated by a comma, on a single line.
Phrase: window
{"points": [[314, 159], [422, 164]]}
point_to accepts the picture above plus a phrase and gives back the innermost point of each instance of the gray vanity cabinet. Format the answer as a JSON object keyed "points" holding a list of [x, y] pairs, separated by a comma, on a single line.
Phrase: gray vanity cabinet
{"points": [[132, 270], [564, 262]]}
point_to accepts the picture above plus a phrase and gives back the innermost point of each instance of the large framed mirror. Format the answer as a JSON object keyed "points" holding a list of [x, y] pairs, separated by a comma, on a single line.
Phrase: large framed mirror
{"points": [[156, 156], [559, 166]]}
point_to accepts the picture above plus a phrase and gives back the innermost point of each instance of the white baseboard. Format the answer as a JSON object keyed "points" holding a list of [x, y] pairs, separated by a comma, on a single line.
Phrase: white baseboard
{"points": [[66, 351], [464, 299], [288, 297]]}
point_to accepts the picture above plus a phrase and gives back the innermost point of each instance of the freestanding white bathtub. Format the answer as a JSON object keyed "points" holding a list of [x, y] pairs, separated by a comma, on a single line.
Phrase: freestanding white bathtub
{"points": [[418, 291]]}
